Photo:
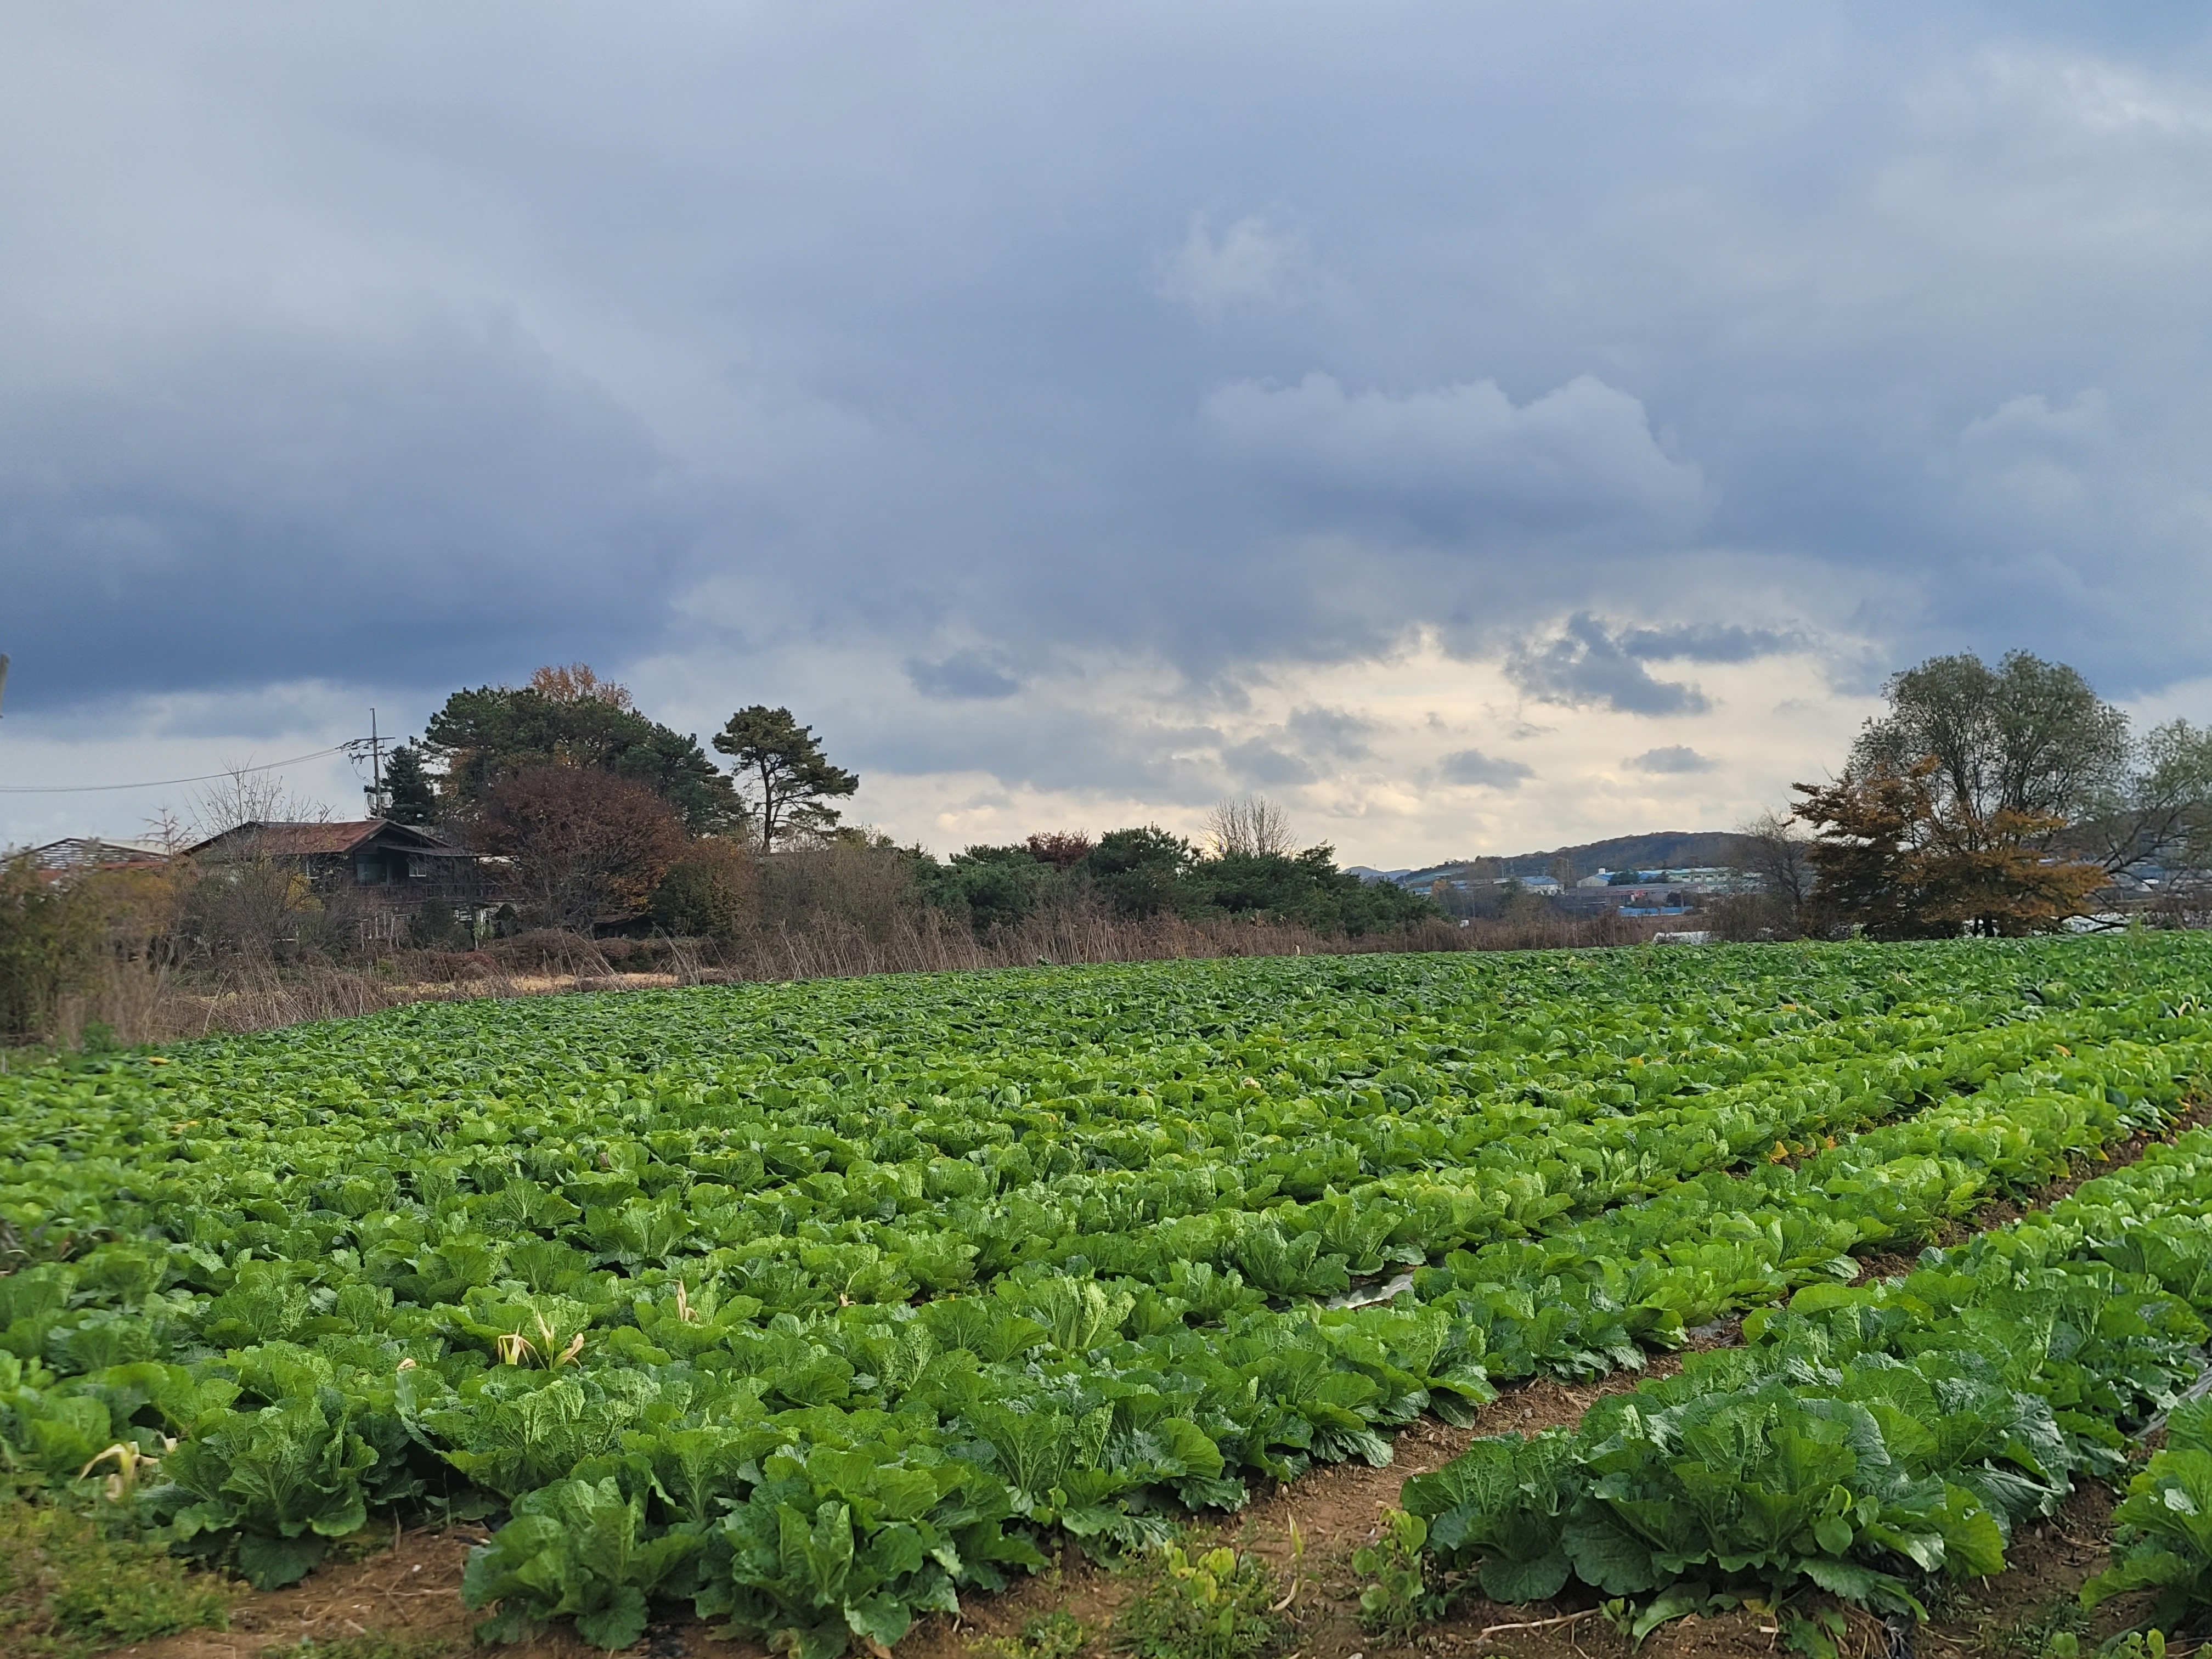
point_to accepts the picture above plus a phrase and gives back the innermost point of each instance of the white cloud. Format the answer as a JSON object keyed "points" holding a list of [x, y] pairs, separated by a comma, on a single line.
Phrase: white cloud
{"points": [[1251, 264]]}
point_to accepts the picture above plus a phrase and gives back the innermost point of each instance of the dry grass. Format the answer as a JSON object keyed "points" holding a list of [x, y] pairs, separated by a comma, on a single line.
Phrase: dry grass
{"points": [[133, 1002]]}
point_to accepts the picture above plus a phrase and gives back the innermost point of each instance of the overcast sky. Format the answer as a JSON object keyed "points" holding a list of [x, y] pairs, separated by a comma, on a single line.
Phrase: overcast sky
{"points": [[1476, 427]]}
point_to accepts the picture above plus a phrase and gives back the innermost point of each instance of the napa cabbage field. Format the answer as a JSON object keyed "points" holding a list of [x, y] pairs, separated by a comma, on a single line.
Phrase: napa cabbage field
{"points": [[818, 1307]]}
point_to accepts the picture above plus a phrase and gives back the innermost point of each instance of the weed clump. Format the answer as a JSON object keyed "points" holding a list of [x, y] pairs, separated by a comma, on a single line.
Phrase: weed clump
{"points": [[1057, 1635], [1214, 1606], [68, 1590]]}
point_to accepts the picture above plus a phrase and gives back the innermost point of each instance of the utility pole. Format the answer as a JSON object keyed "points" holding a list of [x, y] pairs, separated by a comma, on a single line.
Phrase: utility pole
{"points": [[378, 806], [3, 671]]}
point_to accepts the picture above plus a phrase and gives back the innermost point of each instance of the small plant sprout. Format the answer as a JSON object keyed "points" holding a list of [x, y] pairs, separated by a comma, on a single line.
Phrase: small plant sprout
{"points": [[1396, 1598]]}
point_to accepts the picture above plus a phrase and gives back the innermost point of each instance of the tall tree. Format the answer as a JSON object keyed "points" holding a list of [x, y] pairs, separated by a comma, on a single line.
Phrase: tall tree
{"points": [[1776, 852], [2027, 737], [494, 733], [410, 794], [2162, 813], [1249, 826], [786, 780]]}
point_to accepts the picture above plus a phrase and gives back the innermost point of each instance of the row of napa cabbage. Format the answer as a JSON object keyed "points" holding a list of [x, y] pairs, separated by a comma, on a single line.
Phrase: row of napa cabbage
{"points": [[1289, 1078], [1199, 1026], [831, 1476], [427, 1255], [801, 1217], [1869, 1439]]}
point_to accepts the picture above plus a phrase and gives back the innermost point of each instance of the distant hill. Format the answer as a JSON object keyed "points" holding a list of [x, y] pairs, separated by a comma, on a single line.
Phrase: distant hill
{"points": [[1662, 850]]}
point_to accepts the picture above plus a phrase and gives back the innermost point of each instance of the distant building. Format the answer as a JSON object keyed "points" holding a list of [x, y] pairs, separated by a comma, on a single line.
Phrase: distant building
{"points": [[389, 865]]}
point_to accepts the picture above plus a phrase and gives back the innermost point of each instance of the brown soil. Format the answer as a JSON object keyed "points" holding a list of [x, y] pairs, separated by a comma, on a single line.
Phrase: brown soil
{"points": [[412, 1591]]}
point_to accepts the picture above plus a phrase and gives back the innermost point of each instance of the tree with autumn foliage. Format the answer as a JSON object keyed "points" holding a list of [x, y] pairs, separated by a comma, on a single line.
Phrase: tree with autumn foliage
{"points": [[1901, 859], [2000, 800], [585, 846]]}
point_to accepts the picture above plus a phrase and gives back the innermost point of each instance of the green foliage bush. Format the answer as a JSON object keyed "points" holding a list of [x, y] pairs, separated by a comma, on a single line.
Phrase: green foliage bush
{"points": [[50, 933], [1149, 871]]}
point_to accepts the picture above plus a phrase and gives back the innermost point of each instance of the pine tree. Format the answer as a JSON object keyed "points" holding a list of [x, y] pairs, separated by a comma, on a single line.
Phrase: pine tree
{"points": [[786, 779], [411, 793]]}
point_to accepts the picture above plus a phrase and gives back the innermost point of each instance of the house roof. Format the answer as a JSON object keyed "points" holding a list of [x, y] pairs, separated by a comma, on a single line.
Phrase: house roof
{"points": [[309, 840], [91, 852]]}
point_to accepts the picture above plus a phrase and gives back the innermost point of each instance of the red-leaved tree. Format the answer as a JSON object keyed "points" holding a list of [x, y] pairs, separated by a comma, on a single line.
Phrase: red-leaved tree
{"points": [[587, 846]]}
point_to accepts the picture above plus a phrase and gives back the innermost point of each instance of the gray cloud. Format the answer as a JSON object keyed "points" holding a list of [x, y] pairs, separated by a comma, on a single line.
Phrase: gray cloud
{"points": [[1672, 760], [724, 340], [1580, 454], [1706, 642], [1261, 762], [1473, 768], [964, 674], [1331, 733], [1587, 666]]}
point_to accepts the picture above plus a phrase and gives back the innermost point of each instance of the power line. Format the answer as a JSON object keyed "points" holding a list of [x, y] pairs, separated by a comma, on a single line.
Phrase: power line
{"points": [[163, 783]]}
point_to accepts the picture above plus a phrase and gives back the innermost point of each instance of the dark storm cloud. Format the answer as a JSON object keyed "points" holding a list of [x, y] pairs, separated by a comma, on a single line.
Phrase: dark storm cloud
{"points": [[433, 499], [974, 341]]}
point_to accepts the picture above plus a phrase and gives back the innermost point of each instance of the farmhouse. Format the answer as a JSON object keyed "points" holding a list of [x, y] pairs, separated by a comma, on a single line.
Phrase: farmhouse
{"points": [[397, 866]]}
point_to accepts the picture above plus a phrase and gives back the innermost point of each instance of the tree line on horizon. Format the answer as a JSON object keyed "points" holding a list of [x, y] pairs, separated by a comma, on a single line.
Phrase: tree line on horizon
{"points": [[1992, 800], [609, 819], [1995, 800]]}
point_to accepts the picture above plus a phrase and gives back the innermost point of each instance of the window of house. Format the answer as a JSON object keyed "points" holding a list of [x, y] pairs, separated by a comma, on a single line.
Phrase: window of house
{"points": [[418, 867], [368, 869]]}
